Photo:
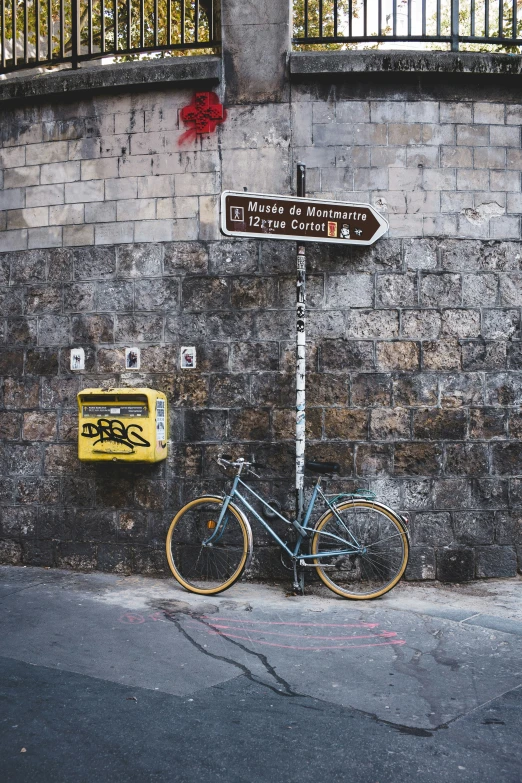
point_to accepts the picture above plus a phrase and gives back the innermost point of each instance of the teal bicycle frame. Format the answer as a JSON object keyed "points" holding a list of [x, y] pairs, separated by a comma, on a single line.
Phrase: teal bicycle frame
{"points": [[304, 532]]}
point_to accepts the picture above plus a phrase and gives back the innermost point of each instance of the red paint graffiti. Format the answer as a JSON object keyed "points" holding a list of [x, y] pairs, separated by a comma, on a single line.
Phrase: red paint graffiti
{"points": [[205, 113]]}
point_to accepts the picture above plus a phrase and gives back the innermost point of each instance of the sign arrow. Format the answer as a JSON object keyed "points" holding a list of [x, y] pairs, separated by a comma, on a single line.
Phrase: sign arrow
{"points": [[268, 216]]}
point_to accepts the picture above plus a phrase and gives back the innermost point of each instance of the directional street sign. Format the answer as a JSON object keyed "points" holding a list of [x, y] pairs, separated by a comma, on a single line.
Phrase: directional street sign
{"points": [[280, 217]]}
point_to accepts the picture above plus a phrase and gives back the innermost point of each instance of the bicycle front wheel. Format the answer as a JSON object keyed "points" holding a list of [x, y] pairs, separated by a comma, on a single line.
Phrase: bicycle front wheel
{"points": [[201, 566], [363, 548]]}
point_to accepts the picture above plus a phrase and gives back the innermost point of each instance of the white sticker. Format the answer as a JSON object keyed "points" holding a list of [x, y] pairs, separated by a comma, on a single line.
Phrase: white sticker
{"points": [[160, 421], [188, 357], [77, 359], [132, 358]]}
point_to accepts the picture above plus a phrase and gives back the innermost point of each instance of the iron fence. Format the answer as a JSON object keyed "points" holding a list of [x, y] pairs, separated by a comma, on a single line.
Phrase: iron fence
{"points": [[459, 24], [49, 32]]}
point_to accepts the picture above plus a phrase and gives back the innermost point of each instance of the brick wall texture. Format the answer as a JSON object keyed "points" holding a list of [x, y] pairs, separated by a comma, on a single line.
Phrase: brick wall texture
{"points": [[109, 237]]}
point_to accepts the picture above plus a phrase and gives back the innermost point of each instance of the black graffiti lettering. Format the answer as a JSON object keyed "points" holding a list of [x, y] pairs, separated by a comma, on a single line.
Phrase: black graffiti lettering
{"points": [[113, 430]]}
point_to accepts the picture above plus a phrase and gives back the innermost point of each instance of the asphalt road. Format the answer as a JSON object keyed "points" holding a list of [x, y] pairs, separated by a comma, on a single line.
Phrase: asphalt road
{"points": [[104, 678]]}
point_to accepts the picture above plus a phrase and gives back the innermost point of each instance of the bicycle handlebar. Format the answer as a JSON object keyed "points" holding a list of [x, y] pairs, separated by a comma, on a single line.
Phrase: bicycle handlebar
{"points": [[227, 461]]}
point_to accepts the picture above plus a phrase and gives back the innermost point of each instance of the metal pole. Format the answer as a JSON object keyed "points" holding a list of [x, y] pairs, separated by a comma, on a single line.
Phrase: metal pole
{"points": [[300, 370], [455, 25]]}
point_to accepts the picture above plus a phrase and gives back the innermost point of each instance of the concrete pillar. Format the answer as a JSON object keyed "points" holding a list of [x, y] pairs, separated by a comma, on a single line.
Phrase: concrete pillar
{"points": [[256, 42]]}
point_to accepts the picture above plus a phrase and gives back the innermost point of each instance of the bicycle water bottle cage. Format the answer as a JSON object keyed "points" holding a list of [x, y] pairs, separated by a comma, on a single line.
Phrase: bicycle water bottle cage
{"points": [[323, 467]]}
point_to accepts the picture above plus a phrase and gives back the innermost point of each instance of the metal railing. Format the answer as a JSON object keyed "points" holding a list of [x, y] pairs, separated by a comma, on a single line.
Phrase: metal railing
{"points": [[50, 32], [459, 24]]}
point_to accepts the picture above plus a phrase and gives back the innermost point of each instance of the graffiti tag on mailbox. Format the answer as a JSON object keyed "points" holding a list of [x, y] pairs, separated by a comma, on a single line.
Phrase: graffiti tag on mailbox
{"points": [[115, 431]]}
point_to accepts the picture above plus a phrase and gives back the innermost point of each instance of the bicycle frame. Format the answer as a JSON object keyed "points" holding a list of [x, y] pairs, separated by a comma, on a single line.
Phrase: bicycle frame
{"points": [[302, 529]]}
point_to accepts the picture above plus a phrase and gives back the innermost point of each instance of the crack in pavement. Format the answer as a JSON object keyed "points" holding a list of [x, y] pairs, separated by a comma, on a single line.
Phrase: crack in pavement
{"points": [[27, 587], [270, 670]]}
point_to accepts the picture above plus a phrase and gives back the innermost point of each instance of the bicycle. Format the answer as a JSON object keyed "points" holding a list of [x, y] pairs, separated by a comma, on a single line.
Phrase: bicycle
{"points": [[358, 547]]}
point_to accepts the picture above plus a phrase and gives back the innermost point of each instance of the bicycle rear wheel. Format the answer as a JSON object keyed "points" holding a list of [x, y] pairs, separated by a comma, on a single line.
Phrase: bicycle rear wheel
{"points": [[369, 549], [204, 568]]}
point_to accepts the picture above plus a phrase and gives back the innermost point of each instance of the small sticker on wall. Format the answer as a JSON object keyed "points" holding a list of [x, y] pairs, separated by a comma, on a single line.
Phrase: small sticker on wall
{"points": [[160, 422], [132, 358], [77, 359], [188, 357]]}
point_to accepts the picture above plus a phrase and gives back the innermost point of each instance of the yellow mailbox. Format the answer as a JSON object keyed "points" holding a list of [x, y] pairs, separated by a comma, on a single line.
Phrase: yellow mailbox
{"points": [[128, 425]]}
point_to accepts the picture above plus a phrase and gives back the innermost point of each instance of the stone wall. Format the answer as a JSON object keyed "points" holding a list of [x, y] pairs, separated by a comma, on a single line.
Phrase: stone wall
{"points": [[109, 237]]}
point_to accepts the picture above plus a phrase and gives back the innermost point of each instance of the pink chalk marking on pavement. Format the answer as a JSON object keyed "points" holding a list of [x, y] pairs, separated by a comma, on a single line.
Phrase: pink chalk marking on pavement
{"points": [[222, 630], [282, 622], [311, 649]]}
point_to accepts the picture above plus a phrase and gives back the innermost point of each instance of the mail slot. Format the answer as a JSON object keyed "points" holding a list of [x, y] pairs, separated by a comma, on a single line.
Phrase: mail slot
{"points": [[126, 425]]}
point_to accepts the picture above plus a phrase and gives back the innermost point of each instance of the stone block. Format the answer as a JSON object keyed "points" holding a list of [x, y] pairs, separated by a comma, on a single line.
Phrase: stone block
{"points": [[483, 356], [370, 389], [11, 361], [421, 564], [271, 389], [92, 329], [39, 426], [21, 393], [205, 294], [487, 423], [441, 355], [54, 330], [461, 389], [461, 323], [103, 212], [390, 424], [441, 290], [253, 424], [9, 426], [52, 173], [399, 134], [138, 328], [363, 324], [21, 331], [44, 195], [43, 299], [350, 290], [439, 424], [115, 295], [258, 292], [455, 564], [254, 357], [48, 152], [495, 561], [10, 552], [500, 324], [417, 495], [90, 190], [344, 355], [504, 136], [205, 426], [186, 257], [44, 237], [67, 214], [489, 493], [473, 528], [121, 188], [463, 459], [22, 177], [399, 355], [373, 459], [22, 460], [157, 294], [323, 389], [11, 301], [79, 297], [474, 136], [417, 459], [421, 324], [431, 529], [397, 290]]}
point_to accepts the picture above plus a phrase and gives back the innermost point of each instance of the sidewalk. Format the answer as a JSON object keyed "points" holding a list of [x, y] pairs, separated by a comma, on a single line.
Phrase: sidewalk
{"points": [[126, 656]]}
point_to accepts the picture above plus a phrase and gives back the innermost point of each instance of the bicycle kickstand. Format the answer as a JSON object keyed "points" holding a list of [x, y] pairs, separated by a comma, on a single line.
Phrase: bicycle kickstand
{"points": [[299, 579]]}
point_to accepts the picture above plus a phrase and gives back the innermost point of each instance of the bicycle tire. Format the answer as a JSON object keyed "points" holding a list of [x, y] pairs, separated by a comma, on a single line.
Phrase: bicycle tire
{"points": [[203, 569], [366, 575]]}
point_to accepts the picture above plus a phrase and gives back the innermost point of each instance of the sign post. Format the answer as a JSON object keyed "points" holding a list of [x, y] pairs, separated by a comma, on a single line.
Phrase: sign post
{"points": [[268, 216], [300, 368]]}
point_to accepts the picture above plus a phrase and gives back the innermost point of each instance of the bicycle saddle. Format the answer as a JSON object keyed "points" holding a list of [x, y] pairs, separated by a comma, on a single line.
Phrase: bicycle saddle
{"points": [[323, 467]]}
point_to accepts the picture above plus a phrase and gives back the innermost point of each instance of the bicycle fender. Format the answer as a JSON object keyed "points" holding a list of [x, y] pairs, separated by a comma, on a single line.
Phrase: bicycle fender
{"points": [[371, 504]]}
